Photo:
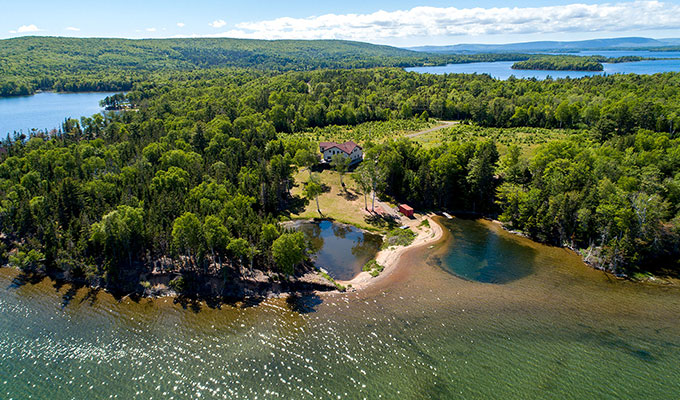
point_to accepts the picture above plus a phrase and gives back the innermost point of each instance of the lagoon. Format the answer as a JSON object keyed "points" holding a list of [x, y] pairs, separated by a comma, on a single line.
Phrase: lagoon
{"points": [[46, 111], [341, 250], [557, 330]]}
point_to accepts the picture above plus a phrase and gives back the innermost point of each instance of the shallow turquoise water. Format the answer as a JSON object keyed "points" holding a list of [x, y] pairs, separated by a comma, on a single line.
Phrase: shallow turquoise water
{"points": [[46, 111], [561, 331]]}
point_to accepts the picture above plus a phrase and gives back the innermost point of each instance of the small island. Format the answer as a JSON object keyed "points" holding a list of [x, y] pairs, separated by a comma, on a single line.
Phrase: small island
{"points": [[572, 63], [559, 63]]}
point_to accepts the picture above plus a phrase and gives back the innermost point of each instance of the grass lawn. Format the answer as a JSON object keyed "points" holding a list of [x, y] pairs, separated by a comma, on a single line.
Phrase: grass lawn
{"points": [[346, 206]]}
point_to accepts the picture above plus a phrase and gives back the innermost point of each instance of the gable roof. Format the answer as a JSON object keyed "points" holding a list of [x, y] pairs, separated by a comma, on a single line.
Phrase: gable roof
{"points": [[347, 147]]}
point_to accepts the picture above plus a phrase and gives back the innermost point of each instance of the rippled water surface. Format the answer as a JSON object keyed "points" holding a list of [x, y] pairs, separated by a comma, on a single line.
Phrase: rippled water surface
{"points": [[561, 330]]}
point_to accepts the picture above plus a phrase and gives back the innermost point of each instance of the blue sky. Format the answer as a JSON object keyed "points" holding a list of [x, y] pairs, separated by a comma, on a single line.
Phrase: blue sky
{"points": [[396, 22]]}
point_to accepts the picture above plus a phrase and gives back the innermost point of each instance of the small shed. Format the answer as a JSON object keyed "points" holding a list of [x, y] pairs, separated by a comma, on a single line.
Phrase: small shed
{"points": [[406, 210]]}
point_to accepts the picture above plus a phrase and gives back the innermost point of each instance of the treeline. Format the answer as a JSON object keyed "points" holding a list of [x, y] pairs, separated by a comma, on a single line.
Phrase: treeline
{"points": [[296, 101], [200, 172], [617, 202], [108, 198], [28, 64]]}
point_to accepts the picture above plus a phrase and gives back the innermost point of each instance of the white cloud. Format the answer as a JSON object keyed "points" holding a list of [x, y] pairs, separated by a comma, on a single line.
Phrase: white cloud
{"points": [[449, 22], [73, 29], [150, 29], [180, 24], [217, 23], [26, 29]]}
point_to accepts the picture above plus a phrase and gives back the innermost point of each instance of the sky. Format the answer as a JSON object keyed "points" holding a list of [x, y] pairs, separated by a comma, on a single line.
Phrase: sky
{"points": [[394, 22]]}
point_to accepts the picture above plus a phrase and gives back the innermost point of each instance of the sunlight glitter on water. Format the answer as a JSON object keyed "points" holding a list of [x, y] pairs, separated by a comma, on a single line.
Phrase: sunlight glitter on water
{"points": [[422, 332]]}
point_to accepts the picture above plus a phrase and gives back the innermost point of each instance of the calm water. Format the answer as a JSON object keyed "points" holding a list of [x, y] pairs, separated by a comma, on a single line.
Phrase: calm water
{"points": [[561, 331], [483, 255], [340, 249], [503, 70], [46, 111]]}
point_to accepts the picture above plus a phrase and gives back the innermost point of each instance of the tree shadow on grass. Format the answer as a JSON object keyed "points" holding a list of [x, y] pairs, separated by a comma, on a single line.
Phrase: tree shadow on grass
{"points": [[348, 195], [380, 221]]}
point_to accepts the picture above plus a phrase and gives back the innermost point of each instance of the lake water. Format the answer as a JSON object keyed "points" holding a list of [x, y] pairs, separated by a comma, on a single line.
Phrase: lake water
{"points": [[46, 111], [559, 331], [503, 69], [340, 249]]}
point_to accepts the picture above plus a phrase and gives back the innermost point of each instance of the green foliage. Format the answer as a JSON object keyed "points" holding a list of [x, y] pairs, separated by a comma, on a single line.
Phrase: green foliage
{"points": [[616, 199], [119, 234], [560, 63], [187, 234], [98, 64], [289, 250], [178, 284], [398, 237], [312, 191], [337, 285], [26, 260], [373, 268], [208, 156]]}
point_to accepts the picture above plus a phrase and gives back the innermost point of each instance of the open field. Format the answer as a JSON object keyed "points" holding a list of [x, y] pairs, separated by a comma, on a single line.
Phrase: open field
{"points": [[527, 138], [377, 131], [346, 206]]}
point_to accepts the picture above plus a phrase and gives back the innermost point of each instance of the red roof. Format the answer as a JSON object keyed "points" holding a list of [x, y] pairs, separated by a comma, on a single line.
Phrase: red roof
{"points": [[405, 207], [347, 147]]}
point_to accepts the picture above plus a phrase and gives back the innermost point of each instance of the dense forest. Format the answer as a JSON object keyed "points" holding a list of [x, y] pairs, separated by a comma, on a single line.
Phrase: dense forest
{"points": [[560, 63], [572, 63], [28, 64], [201, 170]]}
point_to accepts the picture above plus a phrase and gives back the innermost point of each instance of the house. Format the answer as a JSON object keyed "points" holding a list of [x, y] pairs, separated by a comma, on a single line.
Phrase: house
{"points": [[406, 210], [349, 149]]}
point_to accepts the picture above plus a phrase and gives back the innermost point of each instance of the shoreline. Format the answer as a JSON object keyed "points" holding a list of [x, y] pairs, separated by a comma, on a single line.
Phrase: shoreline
{"points": [[651, 279], [390, 257]]}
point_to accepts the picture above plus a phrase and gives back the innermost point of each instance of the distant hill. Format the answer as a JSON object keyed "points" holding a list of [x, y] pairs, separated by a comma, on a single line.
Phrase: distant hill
{"points": [[188, 53], [593, 44], [34, 63]]}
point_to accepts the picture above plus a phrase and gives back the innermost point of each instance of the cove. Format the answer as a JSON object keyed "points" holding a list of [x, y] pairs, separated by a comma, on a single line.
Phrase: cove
{"points": [[46, 111], [482, 255], [562, 331], [342, 250]]}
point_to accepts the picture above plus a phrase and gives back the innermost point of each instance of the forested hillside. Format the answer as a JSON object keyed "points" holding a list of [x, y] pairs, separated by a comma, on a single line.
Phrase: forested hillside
{"points": [[201, 171], [28, 64]]}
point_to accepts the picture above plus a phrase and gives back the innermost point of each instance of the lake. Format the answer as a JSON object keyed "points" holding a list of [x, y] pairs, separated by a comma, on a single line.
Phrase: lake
{"points": [[503, 70], [342, 250], [46, 111], [557, 330]]}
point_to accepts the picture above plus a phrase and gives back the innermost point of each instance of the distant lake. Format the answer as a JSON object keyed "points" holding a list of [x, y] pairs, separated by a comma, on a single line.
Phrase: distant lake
{"points": [[46, 111], [503, 69]]}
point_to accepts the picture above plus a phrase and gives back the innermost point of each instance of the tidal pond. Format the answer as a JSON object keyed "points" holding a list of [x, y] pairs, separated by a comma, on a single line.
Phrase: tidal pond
{"points": [[342, 250]]}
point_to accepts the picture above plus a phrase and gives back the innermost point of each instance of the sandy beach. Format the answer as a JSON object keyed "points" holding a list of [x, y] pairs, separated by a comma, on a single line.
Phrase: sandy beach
{"points": [[390, 257]]}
